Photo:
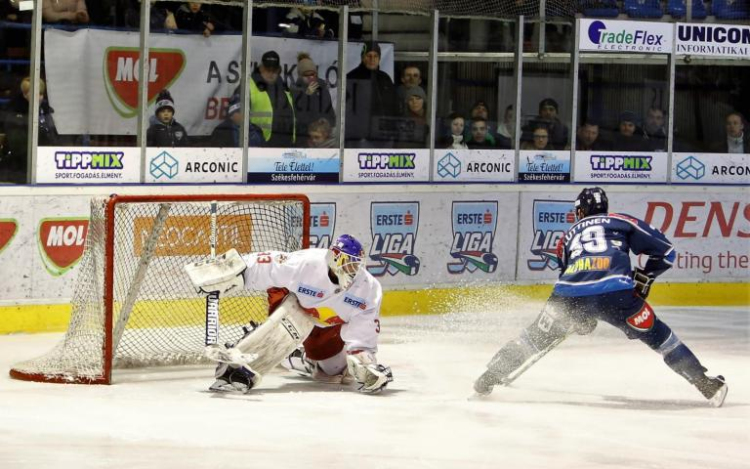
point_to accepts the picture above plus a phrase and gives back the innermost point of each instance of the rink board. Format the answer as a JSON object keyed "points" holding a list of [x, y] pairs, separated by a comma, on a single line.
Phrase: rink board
{"points": [[432, 247]]}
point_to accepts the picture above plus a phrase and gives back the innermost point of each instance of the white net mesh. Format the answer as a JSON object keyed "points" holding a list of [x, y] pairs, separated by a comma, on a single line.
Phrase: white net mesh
{"points": [[158, 319]]}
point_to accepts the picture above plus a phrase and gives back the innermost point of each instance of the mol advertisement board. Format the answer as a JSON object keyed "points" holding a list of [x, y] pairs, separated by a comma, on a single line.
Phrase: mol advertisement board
{"points": [[604, 35]]}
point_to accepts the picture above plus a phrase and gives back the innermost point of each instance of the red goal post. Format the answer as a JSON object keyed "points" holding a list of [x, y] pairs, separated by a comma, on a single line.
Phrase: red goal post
{"points": [[134, 306]]}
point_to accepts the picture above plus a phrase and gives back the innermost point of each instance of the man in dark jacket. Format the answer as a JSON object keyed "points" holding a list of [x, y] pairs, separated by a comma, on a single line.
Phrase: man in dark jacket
{"points": [[166, 131], [312, 98], [371, 111], [14, 120], [227, 133]]}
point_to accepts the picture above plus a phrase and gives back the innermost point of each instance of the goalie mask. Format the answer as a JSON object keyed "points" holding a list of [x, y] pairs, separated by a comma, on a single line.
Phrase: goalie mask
{"points": [[346, 259], [591, 201]]}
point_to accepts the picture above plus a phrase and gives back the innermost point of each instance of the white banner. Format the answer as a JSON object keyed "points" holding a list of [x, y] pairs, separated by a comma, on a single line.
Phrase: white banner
{"points": [[194, 165], [98, 94], [603, 35], [710, 232], [290, 165], [88, 165], [544, 166], [715, 40], [474, 165], [612, 166], [385, 165], [711, 168]]}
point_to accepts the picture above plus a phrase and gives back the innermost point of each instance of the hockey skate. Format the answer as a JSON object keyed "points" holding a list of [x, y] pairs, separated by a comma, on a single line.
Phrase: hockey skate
{"points": [[713, 388], [234, 379], [298, 362]]}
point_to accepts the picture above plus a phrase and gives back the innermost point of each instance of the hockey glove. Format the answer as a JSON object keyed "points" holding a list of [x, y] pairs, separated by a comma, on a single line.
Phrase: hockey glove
{"points": [[369, 375], [221, 274], [642, 282]]}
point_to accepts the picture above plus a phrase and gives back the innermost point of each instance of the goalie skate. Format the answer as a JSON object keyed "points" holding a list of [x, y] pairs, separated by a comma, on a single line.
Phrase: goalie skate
{"points": [[234, 379]]}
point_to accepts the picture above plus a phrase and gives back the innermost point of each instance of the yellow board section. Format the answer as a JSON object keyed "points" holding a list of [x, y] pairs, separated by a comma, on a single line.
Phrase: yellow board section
{"points": [[54, 318]]}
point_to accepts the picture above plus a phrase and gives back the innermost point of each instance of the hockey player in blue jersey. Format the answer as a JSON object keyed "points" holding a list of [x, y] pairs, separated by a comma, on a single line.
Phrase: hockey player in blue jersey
{"points": [[597, 283]]}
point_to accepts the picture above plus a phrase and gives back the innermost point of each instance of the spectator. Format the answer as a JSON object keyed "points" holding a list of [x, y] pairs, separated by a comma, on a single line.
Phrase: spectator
{"points": [[411, 76], [548, 115], [161, 17], [480, 138], [539, 139], [455, 139], [736, 140], [192, 17], [65, 11], [654, 130], [506, 131], [306, 22], [320, 135], [166, 131], [14, 124], [312, 97], [587, 138], [628, 137], [371, 103], [227, 133], [480, 110], [271, 103], [413, 128]]}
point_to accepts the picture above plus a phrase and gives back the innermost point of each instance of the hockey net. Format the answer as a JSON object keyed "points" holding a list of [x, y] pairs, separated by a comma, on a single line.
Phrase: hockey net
{"points": [[134, 306]]}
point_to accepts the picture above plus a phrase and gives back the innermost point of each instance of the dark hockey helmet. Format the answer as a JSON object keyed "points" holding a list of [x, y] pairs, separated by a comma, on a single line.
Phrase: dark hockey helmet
{"points": [[591, 201]]}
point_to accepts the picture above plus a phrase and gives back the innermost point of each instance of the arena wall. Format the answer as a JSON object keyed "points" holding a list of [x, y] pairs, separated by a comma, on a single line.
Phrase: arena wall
{"points": [[462, 247]]}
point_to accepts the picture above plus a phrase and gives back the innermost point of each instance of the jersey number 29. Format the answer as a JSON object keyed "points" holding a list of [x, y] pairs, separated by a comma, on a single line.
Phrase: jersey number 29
{"points": [[591, 240]]}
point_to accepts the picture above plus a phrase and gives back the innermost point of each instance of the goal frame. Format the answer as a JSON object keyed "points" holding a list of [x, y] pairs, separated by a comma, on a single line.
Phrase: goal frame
{"points": [[109, 268]]}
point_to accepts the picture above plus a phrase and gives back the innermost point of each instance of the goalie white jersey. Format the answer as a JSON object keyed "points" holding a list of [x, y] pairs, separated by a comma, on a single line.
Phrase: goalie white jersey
{"points": [[305, 273]]}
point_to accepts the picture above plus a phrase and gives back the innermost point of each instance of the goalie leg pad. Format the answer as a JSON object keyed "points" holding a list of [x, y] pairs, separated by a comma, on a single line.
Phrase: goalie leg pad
{"points": [[279, 336], [222, 274]]}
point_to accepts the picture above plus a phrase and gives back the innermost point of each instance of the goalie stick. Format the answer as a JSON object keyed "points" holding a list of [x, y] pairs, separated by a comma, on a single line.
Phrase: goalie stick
{"points": [[212, 299]]}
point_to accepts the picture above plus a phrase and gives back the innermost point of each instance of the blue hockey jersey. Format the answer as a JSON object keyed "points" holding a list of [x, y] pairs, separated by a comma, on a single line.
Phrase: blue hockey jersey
{"points": [[594, 254]]}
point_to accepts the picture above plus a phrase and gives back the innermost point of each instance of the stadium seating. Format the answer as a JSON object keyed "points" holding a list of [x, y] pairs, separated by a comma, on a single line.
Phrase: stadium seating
{"points": [[678, 9], [731, 9], [600, 8], [643, 8]]}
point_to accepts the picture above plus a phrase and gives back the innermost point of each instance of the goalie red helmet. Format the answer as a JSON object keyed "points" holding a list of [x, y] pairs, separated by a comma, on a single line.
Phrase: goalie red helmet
{"points": [[591, 201], [346, 259]]}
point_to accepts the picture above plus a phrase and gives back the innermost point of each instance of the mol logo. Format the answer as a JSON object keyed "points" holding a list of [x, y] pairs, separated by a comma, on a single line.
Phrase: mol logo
{"points": [[474, 225], [621, 163], [643, 320], [394, 233], [552, 219], [61, 243], [121, 66], [8, 230], [322, 224]]}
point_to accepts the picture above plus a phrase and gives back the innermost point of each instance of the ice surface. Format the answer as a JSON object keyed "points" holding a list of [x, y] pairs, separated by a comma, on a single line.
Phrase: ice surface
{"points": [[598, 401]]}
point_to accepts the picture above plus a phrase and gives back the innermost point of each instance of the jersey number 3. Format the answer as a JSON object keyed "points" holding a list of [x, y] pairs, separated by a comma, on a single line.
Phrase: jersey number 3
{"points": [[591, 240]]}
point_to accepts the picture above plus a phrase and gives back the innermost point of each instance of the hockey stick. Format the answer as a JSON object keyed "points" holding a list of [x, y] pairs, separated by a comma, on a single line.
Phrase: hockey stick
{"points": [[212, 299]]}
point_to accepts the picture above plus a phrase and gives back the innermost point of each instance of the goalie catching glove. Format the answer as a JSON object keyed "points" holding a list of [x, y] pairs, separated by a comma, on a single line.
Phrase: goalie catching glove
{"points": [[369, 375], [222, 274], [642, 281]]}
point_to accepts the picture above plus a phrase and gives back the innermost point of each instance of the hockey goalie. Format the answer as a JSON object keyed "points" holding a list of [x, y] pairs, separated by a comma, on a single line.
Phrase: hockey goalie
{"points": [[323, 320]]}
